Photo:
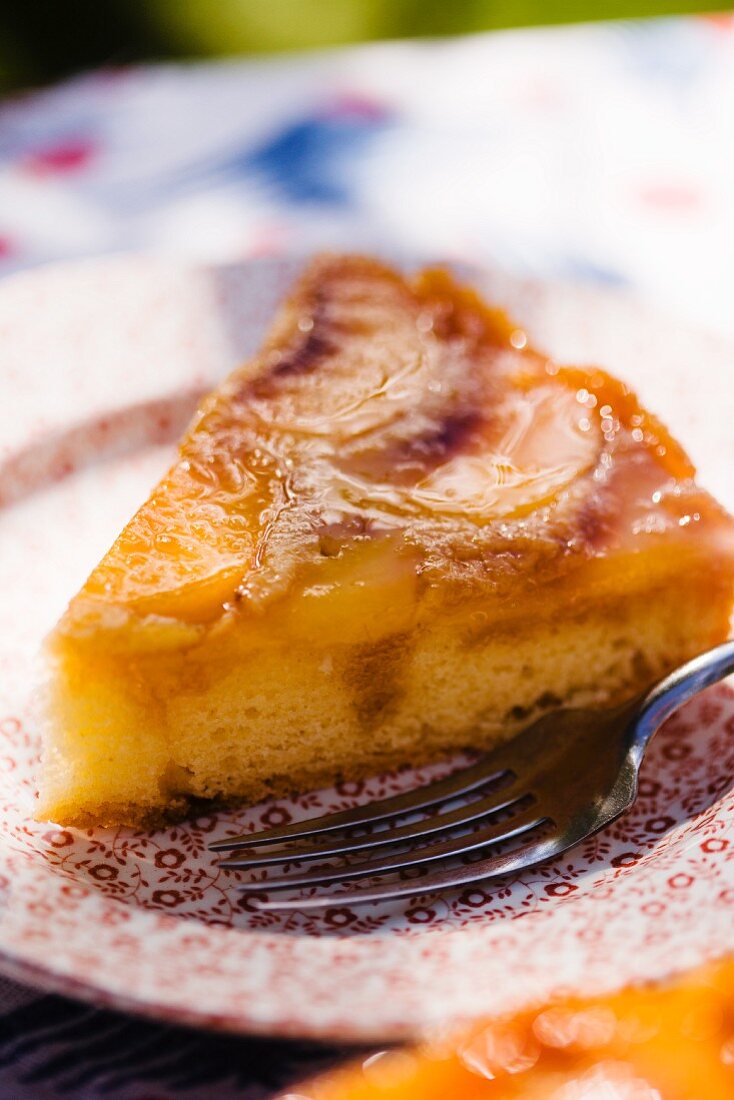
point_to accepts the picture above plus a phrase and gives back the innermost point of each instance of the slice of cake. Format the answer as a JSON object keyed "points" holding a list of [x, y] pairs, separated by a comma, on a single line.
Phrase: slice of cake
{"points": [[396, 532], [672, 1041]]}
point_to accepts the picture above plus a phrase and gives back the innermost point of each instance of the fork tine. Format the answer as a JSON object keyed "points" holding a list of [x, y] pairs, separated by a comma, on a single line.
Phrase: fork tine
{"points": [[504, 864], [503, 799], [493, 834], [463, 781]]}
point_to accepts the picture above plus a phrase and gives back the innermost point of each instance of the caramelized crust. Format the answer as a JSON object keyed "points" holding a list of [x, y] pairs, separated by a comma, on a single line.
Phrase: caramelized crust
{"points": [[405, 414]]}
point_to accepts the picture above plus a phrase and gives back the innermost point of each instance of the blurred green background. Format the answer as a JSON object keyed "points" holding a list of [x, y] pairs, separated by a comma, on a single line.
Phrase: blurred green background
{"points": [[43, 40]]}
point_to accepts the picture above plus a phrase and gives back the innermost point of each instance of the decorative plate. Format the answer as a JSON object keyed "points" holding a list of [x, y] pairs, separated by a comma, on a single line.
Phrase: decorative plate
{"points": [[100, 367]]}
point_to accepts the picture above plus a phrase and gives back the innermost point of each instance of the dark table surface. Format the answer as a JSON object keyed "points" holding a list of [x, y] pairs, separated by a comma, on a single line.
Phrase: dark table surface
{"points": [[51, 1047]]}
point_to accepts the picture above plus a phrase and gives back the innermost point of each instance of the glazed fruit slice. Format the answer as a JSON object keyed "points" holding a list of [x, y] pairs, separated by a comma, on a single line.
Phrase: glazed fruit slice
{"points": [[670, 1042], [397, 531]]}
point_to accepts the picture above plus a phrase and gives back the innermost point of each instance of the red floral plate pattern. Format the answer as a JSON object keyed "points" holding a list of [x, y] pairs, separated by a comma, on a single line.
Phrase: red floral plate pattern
{"points": [[101, 365]]}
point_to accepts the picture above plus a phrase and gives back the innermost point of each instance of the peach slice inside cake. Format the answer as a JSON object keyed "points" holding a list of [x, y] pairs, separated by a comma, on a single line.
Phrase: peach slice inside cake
{"points": [[397, 531]]}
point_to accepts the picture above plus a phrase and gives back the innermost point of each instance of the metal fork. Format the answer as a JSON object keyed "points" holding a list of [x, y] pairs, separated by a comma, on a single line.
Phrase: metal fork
{"points": [[558, 782]]}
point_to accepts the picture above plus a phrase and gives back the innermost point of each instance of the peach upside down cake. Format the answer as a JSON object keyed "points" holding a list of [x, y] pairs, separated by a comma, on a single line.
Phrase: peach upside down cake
{"points": [[396, 532]]}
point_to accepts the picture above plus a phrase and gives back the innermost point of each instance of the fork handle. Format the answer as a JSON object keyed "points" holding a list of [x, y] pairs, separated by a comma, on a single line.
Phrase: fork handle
{"points": [[676, 689]]}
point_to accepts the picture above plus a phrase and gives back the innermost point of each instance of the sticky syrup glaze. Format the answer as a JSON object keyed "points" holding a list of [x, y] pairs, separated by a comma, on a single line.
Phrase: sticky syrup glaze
{"points": [[404, 419]]}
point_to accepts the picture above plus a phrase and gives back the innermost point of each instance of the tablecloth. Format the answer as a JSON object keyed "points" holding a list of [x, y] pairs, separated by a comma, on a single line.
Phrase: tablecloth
{"points": [[601, 153]]}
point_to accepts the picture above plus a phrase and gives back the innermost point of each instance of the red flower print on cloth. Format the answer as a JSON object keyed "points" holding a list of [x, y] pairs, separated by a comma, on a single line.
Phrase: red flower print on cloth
{"points": [[61, 158]]}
